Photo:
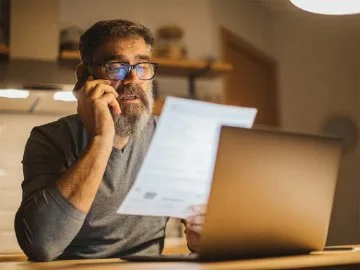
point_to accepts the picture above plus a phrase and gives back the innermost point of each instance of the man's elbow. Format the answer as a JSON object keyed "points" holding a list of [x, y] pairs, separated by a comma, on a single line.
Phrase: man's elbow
{"points": [[35, 247], [40, 254], [38, 250]]}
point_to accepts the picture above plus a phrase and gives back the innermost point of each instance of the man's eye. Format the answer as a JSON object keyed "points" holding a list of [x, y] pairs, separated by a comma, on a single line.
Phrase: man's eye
{"points": [[115, 65], [143, 66], [114, 69]]}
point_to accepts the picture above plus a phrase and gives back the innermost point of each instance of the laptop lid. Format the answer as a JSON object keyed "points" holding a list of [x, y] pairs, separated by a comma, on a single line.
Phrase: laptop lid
{"points": [[272, 194]]}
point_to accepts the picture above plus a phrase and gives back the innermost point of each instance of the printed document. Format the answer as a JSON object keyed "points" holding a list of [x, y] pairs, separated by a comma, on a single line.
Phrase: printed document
{"points": [[177, 170]]}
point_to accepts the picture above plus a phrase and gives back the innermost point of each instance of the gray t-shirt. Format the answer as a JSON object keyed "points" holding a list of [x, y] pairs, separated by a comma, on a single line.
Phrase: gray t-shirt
{"points": [[49, 227]]}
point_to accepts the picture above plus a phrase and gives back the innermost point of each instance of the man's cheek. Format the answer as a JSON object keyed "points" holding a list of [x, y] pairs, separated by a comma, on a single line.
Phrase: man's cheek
{"points": [[148, 89]]}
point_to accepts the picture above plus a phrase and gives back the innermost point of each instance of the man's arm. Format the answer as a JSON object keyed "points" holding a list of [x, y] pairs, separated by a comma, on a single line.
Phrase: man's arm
{"points": [[56, 201], [80, 184], [82, 181], [47, 221]]}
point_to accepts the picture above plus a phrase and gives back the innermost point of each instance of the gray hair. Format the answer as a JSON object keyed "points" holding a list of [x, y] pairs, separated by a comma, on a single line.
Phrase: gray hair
{"points": [[114, 29]]}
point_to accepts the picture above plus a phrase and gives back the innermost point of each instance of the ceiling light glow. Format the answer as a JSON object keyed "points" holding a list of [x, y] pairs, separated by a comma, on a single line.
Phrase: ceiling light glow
{"points": [[329, 7]]}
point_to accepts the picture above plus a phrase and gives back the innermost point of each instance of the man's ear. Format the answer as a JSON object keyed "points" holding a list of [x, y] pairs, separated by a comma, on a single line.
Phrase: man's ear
{"points": [[82, 73], [80, 70]]}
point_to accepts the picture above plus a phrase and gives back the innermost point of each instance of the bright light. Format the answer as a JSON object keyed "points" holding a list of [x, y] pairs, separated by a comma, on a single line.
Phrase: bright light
{"points": [[330, 7], [13, 93], [64, 96], [3, 172]]}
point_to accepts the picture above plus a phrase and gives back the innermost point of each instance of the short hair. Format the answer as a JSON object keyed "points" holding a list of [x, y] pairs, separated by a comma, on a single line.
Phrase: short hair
{"points": [[114, 29]]}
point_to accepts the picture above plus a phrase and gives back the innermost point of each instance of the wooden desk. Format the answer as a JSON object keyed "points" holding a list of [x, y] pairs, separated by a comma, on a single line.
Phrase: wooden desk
{"points": [[12, 257], [347, 260]]}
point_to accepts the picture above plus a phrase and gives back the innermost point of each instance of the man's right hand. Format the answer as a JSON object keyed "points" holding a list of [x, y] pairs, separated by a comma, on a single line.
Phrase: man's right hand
{"points": [[80, 183], [95, 100]]}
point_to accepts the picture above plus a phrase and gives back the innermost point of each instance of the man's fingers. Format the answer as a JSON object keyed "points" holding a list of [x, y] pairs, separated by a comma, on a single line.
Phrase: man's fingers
{"points": [[100, 90], [111, 101], [199, 209], [195, 228], [115, 107], [91, 84], [195, 220]]}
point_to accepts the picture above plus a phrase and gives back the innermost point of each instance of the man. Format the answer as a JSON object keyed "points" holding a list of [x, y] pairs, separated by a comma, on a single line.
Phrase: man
{"points": [[78, 169]]}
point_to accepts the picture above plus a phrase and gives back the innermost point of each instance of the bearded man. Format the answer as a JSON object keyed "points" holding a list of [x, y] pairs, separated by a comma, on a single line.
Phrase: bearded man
{"points": [[78, 169]]}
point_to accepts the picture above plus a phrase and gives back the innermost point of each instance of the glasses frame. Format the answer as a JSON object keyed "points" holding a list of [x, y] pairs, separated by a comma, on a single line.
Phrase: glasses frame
{"points": [[131, 67]]}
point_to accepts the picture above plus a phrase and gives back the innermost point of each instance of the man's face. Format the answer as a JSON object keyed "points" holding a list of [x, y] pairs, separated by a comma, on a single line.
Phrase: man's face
{"points": [[135, 95]]}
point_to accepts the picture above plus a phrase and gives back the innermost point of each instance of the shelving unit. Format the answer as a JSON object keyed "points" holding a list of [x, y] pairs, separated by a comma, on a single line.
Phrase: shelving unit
{"points": [[4, 50], [170, 67], [192, 69]]}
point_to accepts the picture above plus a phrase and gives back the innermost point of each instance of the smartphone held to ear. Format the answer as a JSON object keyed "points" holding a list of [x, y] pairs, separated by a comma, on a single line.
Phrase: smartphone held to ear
{"points": [[81, 79]]}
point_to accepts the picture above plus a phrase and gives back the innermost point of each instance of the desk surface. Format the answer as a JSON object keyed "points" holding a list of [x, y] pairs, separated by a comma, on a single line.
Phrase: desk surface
{"points": [[290, 262]]}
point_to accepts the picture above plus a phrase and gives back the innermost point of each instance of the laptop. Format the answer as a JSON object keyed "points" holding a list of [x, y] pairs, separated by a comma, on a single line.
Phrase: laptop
{"points": [[272, 194]]}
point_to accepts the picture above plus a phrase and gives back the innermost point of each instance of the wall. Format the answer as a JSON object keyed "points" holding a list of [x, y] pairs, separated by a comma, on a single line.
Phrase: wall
{"points": [[14, 131], [248, 19], [318, 60]]}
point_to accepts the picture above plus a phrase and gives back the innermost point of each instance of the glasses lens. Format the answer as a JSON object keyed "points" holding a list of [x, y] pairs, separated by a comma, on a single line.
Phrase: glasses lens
{"points": [[145, 71], [117, 71]]}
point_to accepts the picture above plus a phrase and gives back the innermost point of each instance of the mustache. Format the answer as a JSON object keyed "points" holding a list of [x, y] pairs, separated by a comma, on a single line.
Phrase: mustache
{"points": [[136, 91]]}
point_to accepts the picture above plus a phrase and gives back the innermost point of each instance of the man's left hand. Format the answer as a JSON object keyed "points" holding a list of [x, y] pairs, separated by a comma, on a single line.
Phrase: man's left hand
{"points": [[193, 227]]}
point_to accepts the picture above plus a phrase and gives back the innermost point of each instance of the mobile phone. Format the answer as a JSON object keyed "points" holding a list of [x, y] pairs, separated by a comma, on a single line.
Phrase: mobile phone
{"points": [[81, 79]]}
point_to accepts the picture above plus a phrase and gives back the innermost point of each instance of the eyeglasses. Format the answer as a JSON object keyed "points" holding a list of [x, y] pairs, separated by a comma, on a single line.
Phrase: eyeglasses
{"points": [[119, 70]]}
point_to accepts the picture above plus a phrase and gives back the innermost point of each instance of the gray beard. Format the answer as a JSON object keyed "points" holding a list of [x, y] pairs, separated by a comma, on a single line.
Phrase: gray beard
{"points": [[134, 117]]}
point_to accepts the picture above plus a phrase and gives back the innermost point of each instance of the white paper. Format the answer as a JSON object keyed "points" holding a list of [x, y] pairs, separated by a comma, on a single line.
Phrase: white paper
{"points": [[177, 170]]}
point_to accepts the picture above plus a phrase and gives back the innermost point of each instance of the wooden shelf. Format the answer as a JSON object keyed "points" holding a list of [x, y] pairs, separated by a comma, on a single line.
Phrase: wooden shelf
{"points": [[4, 50], [168, 67], [177, 68], [69, 55], [192, 69], [198, 68]]}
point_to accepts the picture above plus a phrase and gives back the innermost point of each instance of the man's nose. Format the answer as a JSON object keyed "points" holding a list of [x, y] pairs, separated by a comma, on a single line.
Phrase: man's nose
{"points": [[131, 77]]}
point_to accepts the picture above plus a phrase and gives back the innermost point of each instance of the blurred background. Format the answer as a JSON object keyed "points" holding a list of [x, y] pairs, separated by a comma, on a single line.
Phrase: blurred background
{"points": [[301, 70]]}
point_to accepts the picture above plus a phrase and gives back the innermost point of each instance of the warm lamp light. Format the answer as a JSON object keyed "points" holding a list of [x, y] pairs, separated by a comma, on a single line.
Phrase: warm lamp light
{"points": [[14, 93], [329, 7], [64, 96]]}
